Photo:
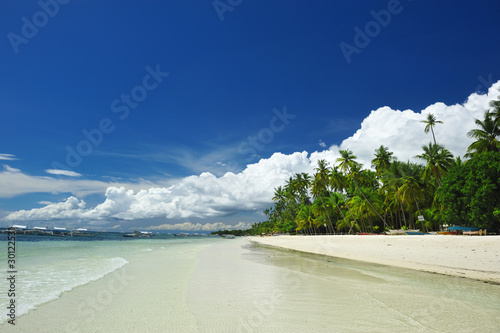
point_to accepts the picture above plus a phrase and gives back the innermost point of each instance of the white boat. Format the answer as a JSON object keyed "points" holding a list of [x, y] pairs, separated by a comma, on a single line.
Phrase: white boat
{"points": [[61, 232], [81, 232], [141, 234], [42, 231], [18, 229]]}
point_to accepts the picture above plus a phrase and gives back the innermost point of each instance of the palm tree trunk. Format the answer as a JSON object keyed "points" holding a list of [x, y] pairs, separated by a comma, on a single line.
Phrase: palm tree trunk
{"points": [[369, 203], [353, 217], [433, 136], [403, 212], [326, 211], [418, 209]]}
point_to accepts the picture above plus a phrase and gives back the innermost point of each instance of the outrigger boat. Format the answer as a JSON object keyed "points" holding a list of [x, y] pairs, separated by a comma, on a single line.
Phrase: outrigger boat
{"points": [[81, 232], [142, 234], [18, 230], [60, 232]]}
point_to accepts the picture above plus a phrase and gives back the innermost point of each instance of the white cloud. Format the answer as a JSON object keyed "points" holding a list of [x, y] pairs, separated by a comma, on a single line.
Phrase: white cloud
{"points": [[14, 183], [63, 172], [8, 157], [10, 169], [208, 196], [192, 197], [403, 133], [188, 226], [43, 202], [322, 144], [72, 208]]}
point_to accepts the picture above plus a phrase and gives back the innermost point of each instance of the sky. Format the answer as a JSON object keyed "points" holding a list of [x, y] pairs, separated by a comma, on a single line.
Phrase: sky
{"points": [[185, 115]]}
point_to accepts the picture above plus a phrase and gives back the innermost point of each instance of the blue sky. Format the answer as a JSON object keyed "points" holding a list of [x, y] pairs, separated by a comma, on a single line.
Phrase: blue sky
{"points": [[244, 81]]}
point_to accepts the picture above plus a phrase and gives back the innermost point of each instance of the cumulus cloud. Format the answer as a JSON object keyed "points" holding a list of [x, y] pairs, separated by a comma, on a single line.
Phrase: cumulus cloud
{"points": [[251, 190], [322, 144], [201, 227], [63, 172], [192, 197], [70, 209], [10, 169], [403, 132]]}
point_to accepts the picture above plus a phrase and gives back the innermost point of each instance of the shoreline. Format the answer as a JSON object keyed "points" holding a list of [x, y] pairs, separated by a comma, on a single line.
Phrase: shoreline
{"points": [[469, 257]]}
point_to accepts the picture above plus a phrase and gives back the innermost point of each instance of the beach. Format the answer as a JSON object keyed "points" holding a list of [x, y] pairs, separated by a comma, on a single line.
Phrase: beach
{"points": [[464, 256], [236, 285]]}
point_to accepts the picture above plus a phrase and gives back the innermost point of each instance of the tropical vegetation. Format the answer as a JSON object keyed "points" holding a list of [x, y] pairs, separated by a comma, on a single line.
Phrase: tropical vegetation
{"points": [[441, 190]]}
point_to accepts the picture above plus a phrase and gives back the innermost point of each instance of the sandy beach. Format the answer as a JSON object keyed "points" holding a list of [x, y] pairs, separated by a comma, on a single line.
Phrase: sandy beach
{"points": [[233, 285], [464, 256]]}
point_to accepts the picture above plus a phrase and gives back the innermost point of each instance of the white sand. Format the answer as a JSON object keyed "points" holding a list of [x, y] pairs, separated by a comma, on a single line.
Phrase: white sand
{"points": [[475, 257], [146, 295], [230, 286]]}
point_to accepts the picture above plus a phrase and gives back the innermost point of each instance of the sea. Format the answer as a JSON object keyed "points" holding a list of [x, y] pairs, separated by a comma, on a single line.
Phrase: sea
{"points": [[211, 284], [47, 266]]}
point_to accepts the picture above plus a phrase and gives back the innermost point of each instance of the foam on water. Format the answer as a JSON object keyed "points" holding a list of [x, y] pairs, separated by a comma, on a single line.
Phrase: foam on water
{"points": [[41, 283]]}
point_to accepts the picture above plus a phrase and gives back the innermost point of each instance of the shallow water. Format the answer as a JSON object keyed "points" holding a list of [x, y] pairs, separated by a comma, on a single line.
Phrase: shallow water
{"points": [[338, 295], [221, 285], [274, 290], [47, 267]]}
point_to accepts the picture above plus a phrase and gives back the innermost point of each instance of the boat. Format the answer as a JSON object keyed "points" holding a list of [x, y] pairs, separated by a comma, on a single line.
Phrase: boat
{"points": [[141, 234], [416, 232], [61, 232], [81, 232], [18, 230], [396, 232], [41, 231], [448, 232]]}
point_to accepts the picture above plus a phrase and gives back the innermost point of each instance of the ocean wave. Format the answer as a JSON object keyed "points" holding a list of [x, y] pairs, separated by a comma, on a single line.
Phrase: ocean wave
{"points": [[44, 283]]}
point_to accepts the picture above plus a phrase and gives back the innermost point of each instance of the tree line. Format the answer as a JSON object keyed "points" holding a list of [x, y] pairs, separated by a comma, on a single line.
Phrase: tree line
{"points": [[443, 189]]}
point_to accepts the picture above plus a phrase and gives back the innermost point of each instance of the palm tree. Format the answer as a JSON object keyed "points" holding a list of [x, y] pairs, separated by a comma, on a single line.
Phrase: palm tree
{"points": [[305, 218], [382, 160], [362, 210], [320, 187], [392, 181], [412, 188], [496, 110], [486, 136], [338, 182], [300, 186], [430, 123], [349, 165], [281, 200], [439, 160]]}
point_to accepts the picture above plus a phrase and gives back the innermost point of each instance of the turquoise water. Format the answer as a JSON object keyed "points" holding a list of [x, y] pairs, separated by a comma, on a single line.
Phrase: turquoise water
{"points": [[206, 284], [48, 266]]}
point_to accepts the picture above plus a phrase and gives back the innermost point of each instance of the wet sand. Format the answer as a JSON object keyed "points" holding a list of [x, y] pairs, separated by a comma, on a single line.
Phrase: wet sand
{"points": [[474, 257], [233, 285]]}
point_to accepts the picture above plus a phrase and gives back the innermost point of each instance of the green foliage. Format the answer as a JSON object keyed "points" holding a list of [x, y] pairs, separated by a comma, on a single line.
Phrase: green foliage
{"points": [[347, 198], [232, 232], [471, 193]]}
